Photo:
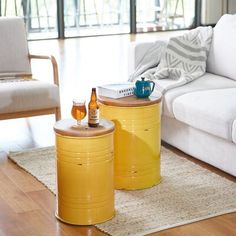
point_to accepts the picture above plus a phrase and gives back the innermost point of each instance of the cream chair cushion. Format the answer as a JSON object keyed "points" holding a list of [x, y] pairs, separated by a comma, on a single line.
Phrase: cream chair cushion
{"points": [[27, 95]]}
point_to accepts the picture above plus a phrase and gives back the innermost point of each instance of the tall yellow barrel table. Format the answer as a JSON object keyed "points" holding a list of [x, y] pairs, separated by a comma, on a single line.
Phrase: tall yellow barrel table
{"points": [[137, 140], [84, 165]]}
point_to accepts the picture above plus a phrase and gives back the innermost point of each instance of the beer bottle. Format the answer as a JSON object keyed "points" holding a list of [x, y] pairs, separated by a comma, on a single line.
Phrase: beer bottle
{"points": [[93, 114]]}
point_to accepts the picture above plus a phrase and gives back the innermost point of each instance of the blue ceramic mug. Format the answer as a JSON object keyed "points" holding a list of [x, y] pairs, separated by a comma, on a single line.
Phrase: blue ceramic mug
{"points": [[143, 88]]}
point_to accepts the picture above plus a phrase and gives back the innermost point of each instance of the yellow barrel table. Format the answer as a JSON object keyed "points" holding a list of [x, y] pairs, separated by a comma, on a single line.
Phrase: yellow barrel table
{"points": [[84, 165], [137, 140]]}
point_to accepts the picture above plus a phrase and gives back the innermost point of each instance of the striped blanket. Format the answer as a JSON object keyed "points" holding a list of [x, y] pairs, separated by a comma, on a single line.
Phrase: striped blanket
{"points": [[182, 60]]}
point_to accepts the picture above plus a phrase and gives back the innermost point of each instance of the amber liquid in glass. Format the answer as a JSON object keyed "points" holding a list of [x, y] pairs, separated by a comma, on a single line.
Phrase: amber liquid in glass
{"points": [[78, 111]]}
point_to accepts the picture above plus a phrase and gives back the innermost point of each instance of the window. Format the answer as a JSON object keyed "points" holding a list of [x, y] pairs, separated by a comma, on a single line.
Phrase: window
{"points": [[40, 16], [157, 15], [75, 18], [96, 17]]}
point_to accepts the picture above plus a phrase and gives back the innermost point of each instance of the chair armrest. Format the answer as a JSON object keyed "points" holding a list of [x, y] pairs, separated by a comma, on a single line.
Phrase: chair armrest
{"points": [[54, 65]]}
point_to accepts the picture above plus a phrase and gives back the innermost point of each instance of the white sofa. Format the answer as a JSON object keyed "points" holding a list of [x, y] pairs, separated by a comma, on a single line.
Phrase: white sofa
{"points": [[199, 118]]}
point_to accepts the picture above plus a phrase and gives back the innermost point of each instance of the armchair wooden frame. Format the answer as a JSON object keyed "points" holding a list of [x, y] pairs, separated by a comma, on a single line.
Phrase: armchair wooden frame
{"points": [[29, 113]]}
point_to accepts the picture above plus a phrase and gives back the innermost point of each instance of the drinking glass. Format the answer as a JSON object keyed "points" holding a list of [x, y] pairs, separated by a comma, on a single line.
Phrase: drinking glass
{"points": [[78, 110]]}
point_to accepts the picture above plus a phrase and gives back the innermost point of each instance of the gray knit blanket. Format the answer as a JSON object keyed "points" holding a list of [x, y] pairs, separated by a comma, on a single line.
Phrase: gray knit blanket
{"points": [[178, 62]]}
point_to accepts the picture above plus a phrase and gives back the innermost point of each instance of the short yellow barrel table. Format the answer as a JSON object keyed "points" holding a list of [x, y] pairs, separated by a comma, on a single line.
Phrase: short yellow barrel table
{"points": [[84, 165], [137, 140]]}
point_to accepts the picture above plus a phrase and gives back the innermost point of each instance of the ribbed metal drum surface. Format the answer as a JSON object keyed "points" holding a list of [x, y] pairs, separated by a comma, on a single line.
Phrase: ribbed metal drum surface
{"points": [[137, 145], [85, 183]]}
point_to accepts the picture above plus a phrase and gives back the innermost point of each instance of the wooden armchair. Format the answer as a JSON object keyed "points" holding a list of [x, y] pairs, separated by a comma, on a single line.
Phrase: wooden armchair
{"points": [[20, 94]]}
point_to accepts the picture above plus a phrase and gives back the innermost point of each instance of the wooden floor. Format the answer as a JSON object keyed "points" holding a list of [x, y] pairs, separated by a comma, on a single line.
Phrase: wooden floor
{"points": [[26, 206]]}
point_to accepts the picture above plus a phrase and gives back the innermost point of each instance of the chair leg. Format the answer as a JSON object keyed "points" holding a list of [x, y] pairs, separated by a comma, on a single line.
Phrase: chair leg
{"points": [[58, 113]]}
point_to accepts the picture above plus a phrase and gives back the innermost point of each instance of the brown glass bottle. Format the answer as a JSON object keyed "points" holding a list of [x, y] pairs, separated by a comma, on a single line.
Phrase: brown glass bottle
{"points": [[93, 110]]}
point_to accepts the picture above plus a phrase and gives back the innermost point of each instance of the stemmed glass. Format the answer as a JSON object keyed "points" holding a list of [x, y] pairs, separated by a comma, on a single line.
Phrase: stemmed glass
{"points": [[78, 110]]}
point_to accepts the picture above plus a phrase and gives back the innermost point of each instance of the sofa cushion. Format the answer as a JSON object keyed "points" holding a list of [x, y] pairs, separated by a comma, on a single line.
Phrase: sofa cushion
{"points": [[222, 55], [206, 82], [212, 111], [27, 95]]}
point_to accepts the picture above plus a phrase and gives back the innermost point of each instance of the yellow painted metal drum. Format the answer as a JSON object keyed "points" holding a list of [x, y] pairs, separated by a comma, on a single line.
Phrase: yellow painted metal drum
{"points": [[137, 140], [84, 164]]}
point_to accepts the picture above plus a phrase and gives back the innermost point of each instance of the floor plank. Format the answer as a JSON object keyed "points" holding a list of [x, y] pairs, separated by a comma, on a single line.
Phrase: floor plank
{"points": [[20, 178], [14, 197]]}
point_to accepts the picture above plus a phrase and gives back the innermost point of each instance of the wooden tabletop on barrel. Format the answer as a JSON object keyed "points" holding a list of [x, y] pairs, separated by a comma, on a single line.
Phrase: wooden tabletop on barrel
{"points": [[69, 127], [131, 101]]}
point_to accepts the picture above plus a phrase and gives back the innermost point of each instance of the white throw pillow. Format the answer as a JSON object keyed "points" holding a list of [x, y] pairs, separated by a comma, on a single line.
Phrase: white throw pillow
{"points": [[222, 55]]}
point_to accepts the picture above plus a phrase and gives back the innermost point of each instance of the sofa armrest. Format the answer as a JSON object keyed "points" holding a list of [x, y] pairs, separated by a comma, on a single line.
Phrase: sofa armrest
{"points": [[137, 51], [135, 54]]}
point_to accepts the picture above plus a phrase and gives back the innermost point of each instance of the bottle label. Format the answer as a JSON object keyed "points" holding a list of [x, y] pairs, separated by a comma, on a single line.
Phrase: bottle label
{"points": [[93, 116]]}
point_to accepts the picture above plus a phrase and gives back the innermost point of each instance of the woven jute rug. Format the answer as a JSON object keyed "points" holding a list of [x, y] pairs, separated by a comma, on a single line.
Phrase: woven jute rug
{"points": [[187, 193]]}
